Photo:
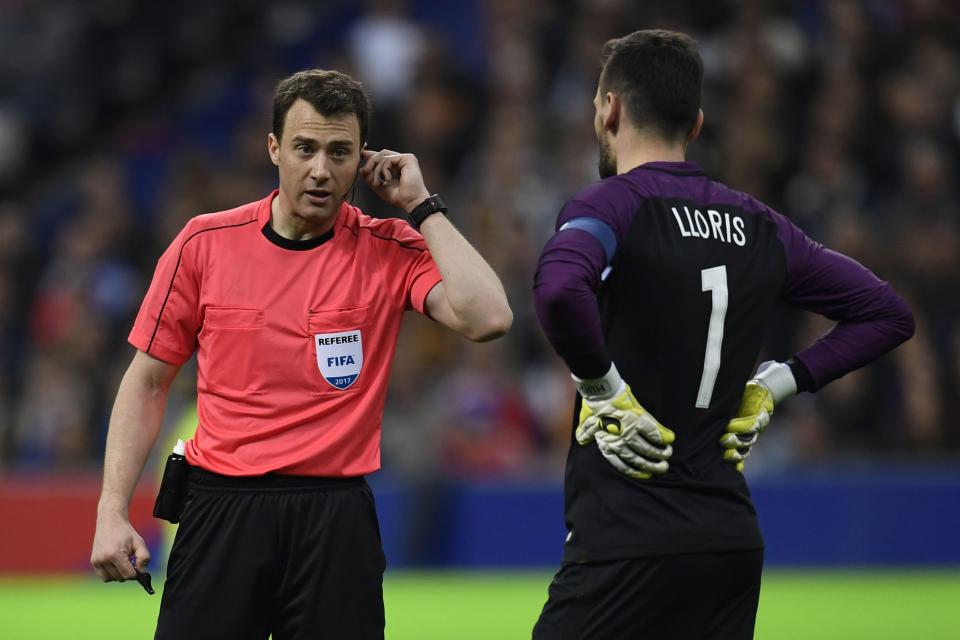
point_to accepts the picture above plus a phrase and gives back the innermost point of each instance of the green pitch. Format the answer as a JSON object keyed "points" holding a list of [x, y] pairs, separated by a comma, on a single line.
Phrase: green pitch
{"points": [[824, 605]]}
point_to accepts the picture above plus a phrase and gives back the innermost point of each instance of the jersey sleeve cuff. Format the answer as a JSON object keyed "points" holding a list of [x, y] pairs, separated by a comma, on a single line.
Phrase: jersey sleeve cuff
{"points": [[802, 375], [778, 378], [157, 350], [588, 365], [603, 387], [422, 288]]}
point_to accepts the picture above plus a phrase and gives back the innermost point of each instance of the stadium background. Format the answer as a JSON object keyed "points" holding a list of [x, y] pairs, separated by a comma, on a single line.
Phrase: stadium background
{"points": [[119, 120]]}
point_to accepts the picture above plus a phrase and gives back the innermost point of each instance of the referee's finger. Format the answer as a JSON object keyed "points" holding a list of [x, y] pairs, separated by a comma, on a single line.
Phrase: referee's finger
{"points": [[140, 553], [370, 161], [102, 573], [386, 166], [121, 562], [370, 154], [378, 171], [376, 156], [372, 169], [109, 572]]}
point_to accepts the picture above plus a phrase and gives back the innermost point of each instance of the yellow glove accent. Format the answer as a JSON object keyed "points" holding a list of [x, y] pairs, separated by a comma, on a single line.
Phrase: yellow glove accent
{"points": [[631, 439], [756, 407]]}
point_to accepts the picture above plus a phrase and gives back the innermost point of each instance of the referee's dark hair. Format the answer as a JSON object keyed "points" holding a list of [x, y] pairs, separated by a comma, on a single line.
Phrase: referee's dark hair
{"points": [[331, 93], [659, 76]]}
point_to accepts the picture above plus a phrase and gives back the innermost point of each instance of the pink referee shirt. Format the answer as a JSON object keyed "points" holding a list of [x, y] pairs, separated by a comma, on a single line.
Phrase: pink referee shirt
{"points": [[294, 344]]}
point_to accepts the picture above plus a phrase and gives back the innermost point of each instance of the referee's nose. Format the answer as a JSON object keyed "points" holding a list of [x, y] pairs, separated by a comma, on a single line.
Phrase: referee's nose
{"points": [[319, 171]]}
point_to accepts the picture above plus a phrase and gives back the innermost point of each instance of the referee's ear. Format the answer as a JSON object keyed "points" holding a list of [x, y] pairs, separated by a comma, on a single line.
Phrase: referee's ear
{"points": [[695, 132], [273, 148]]}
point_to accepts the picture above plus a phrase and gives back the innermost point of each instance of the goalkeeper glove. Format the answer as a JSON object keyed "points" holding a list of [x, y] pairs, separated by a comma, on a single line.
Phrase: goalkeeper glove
{"points": [[627, 435], [772, 383]]}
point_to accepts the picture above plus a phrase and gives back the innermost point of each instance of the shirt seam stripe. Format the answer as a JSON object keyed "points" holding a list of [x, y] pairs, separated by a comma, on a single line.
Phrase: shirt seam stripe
{"points": [[399, 242], [177, 268]]}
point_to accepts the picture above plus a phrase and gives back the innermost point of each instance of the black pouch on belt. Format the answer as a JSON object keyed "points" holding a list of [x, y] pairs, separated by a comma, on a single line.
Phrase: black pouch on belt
{"points": [[173, 486]]}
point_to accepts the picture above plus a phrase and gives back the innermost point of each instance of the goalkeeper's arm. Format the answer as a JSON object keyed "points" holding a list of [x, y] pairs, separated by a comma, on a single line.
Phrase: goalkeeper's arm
{"points": [[568, 276], [871, 320]]}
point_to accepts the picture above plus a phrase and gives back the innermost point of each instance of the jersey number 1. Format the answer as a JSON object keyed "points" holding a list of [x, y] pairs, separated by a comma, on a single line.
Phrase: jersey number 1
{"points": [[713, 280]]}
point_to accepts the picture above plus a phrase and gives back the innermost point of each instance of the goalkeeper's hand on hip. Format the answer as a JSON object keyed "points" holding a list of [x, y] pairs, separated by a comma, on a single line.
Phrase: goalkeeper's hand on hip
{"points": [[631, 439], [772, 383]]}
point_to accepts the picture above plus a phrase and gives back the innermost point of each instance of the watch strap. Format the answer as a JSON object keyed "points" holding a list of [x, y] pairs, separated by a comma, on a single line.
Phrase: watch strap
{"points": [[433, 204]]}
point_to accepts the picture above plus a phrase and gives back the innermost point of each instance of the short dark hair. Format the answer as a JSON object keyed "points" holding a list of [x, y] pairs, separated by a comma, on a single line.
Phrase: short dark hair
{"points": [[659, 76], [331, 93]]}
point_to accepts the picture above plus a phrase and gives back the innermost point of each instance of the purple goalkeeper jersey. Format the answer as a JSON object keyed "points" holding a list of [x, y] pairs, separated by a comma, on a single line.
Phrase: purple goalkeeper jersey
{"points": [[674, 277]]}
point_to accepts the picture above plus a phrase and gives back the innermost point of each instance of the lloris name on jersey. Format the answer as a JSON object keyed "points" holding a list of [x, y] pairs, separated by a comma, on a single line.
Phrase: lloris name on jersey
{"points": [[721, 226]]}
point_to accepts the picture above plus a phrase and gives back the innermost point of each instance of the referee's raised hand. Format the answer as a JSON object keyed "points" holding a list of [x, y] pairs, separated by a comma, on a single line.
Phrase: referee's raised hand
{"points": [[114, 543], [394, 177]]}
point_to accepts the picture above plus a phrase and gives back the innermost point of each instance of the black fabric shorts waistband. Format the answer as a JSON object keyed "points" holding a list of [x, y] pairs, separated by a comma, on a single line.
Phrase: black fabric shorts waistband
{"points": [[207, 480]]}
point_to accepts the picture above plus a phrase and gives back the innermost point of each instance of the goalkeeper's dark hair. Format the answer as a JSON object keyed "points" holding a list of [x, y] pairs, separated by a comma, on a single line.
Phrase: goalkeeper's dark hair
{"points": [[659, 77], [331, 93]]}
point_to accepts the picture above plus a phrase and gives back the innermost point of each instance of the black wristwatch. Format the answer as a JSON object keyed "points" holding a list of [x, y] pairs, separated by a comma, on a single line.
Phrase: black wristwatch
{"points": [[433, 204]]}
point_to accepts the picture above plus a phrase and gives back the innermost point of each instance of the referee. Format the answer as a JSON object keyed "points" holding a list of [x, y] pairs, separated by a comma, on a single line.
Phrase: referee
{"points": [[656, 289], [293, 305]]}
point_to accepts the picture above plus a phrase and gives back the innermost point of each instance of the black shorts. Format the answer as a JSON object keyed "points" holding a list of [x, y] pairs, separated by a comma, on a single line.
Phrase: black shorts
{"points": [[699, 596], [292, 556]]}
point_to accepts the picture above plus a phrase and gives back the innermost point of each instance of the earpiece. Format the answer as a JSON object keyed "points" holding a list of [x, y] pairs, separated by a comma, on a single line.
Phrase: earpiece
{"points": [[353, 185]]}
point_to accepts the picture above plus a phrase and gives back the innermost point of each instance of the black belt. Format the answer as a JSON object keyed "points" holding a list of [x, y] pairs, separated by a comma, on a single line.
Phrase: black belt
{"points": [[203, 479]]}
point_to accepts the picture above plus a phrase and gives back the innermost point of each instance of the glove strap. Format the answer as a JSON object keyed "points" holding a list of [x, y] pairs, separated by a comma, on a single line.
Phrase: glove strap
{"points": [[603, 388], [778, 378]]}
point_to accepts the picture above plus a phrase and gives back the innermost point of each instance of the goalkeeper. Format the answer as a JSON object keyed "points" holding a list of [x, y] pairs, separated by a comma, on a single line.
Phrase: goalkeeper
{"points": [[655, 290]]}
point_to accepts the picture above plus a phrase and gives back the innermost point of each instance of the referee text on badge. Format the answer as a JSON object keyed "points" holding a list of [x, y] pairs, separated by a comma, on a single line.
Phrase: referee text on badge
{"points": [[339, 357]]}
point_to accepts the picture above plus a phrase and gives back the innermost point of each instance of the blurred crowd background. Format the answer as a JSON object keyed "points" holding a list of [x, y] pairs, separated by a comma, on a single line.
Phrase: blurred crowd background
{"points": [[120, 120]]}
